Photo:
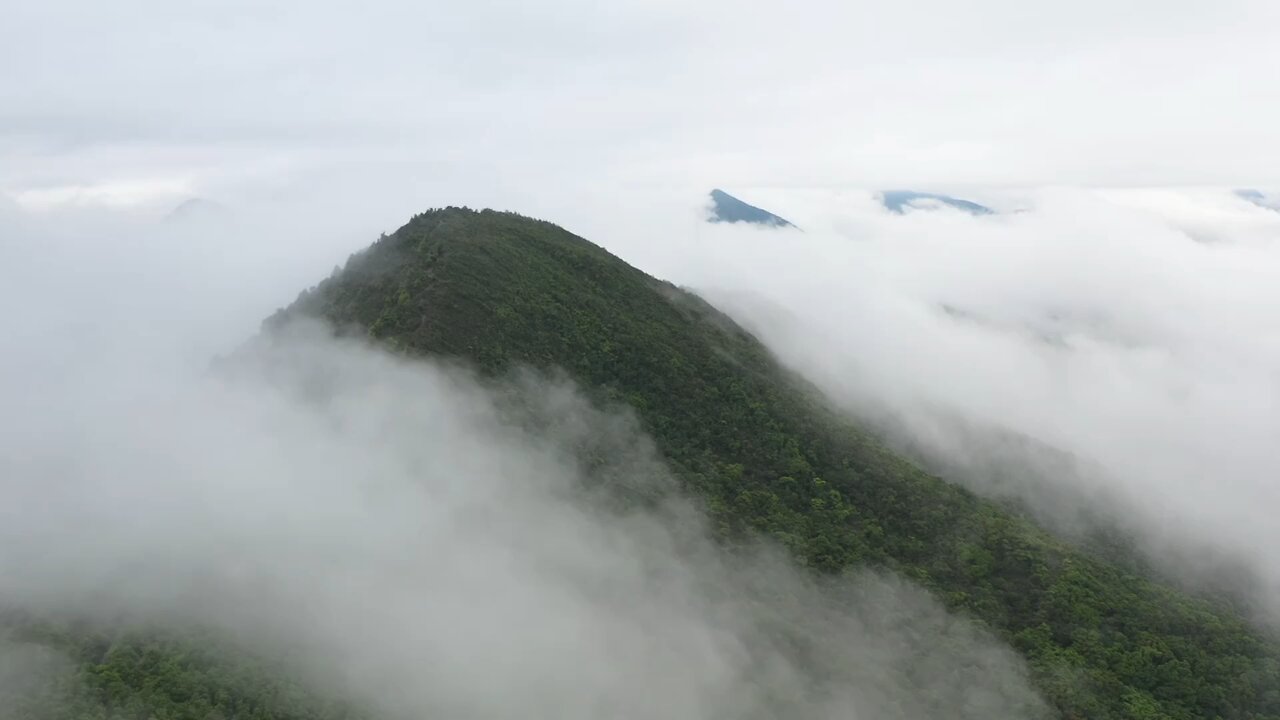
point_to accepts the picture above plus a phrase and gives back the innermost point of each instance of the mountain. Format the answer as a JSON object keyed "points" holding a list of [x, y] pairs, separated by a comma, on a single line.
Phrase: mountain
{"points": [[498, 289], [197, 210], [727, 208], [1259, 198], [900, 201], [766, 456]]}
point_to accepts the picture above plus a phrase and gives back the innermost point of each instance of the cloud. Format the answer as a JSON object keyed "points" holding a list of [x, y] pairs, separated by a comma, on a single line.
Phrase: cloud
{"points": [[241, 97], [411, 538], [1128, 333], [118, 194], [33, 679]]}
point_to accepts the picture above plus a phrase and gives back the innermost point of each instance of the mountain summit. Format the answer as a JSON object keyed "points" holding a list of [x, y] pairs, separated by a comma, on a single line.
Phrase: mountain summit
{"points": [[1259, 198], [729, 209]]}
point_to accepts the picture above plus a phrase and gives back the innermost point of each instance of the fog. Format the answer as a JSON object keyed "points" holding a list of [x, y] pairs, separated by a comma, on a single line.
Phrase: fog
{"points": [[1128, 336], [399, 534]]}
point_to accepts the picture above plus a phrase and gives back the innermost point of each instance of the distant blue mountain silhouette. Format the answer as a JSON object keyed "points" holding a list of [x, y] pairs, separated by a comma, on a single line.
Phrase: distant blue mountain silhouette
{"points": [[727, 208], [1259, 198], [198, 210], [899, 201]]}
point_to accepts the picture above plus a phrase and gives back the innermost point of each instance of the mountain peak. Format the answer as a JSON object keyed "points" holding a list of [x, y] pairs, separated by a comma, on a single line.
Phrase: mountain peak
{"points": [[197, 210], [727, 208], [1259, 198]]}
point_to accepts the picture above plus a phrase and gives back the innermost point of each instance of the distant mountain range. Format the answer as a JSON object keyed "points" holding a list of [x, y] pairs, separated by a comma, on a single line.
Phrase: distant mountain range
{"points": [[900, 201], [198, 210], [727, 208]]}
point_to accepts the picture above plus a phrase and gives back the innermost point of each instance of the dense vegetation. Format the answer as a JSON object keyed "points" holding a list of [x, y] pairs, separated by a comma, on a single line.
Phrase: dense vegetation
{"points": [[765, 455], [499, 289], [87, 672]]}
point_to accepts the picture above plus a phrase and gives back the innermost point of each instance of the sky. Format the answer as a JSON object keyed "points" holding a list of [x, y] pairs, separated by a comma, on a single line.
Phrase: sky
{"points": [[143, 103]]}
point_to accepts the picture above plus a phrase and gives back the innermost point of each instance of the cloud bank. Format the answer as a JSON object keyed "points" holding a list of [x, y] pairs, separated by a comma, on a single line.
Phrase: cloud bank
{"points": [[1129, 334], [146, 103]]}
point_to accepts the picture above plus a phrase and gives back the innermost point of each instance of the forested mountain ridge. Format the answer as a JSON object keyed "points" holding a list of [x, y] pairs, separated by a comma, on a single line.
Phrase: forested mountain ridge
{"points": [[760, 450], [499, 289]]}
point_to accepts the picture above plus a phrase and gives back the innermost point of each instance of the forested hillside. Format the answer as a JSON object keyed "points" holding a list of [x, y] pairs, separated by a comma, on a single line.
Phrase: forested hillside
{"points": [[762, 453], [500, 289]]}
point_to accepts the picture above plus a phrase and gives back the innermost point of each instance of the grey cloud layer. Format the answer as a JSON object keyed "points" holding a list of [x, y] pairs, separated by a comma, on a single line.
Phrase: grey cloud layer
{"points": [[723, 93]]}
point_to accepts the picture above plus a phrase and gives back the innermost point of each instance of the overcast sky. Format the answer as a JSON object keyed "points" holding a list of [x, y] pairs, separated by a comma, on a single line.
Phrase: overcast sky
{"points": [[147, 102]]}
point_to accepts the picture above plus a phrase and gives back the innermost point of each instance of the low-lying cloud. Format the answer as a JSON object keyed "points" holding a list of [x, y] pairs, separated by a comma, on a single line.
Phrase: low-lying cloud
{"points": [[1129, 337]]}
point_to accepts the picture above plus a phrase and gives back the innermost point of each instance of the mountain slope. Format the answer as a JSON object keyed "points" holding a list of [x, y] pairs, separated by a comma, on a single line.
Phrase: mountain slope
{"points": [[147, 673], [498, 289], [727, 208]]}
